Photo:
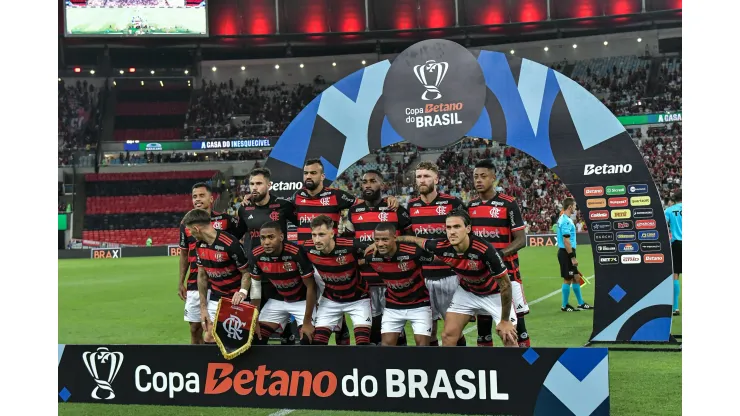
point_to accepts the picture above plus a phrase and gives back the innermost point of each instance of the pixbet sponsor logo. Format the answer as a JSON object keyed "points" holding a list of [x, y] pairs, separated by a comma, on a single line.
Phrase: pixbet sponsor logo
{"points": [[618, 202], [621, 214], [596, 203], [606, 248], [642, 212], [645, 224], [598, 215], [593, 191], [654, 258], [631, 259], [601, 226], [628, 248], [650, 246], [638, 189], [606, 169], [640, 201], [647, 235], [616, 190], [221, 378], [598, 237], [626, 236], [608, 260]]}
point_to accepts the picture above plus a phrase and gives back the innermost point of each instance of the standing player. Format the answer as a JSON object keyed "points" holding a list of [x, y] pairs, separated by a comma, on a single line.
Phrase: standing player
{"points": [[263, 208], [336, 262], [428, 213], [674, 218], [222, 264], [567, 257], [496, 218], [364, 216], [287, 268], [484, 287], [406, 296], [202, 196]]}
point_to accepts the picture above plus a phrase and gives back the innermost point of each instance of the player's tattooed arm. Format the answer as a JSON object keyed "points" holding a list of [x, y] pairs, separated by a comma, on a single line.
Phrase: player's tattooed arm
{"points": [[516, 245], [411, 239], [504, 285], [203, 289]]}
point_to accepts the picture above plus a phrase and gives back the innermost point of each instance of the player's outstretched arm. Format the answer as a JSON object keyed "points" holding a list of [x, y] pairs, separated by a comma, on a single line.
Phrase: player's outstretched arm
{"points": [[411, 239]]}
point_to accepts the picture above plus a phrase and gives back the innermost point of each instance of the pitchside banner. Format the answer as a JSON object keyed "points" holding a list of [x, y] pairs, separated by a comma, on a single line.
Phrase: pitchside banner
{"points": [[514, 381], [436, 92]]}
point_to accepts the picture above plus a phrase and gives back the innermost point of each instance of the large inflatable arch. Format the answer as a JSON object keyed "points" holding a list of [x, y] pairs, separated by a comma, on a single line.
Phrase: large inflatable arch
{"points": [[436, 92]]}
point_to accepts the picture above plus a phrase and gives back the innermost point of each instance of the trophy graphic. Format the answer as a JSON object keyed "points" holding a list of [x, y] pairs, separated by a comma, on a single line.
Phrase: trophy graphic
{"points": [[98, 358], [431, 66]]}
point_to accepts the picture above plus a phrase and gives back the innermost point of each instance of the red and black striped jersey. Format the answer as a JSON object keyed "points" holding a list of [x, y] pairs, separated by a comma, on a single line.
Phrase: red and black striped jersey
{"points": [[402, 276], [428, 221], [365, 218], [220, 221], [330, 202], [285, 271], [252, 217], [339, 269], [478, 268], [223, 261], [496, 221]]}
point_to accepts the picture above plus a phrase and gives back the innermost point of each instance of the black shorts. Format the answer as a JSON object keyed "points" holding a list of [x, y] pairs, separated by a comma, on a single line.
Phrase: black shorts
{"points": [[567, 269], [676, 251]]}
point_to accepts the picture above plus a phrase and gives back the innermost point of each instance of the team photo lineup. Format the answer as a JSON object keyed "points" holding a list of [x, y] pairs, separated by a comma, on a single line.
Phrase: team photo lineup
{"points": [[436, 259]]}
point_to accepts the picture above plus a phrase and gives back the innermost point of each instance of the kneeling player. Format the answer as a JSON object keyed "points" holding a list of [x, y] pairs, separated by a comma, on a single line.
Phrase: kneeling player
{"points": [[221, 262], [484, 288], [287, 268], [336, 262], [406, 296]]}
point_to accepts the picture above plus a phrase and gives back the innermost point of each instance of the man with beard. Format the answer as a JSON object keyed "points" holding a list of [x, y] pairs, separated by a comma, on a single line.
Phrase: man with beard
{"points": [[364, 216], [428, 213], [265, 207], [496, 218], [202, 197], [336, 261], [484, 287]]}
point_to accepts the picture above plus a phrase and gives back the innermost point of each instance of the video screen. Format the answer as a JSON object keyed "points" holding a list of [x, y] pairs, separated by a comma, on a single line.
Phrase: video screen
{"points": [[136, 18]]}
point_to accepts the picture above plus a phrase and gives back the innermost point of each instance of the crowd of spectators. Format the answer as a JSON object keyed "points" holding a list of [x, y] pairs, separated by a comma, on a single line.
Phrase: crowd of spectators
{"points": [[136, 158], [78, 119], [253, 109]]}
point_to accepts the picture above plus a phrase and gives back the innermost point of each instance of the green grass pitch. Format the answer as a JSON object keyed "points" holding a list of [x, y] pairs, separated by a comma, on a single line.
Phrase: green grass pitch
{"points": [[134, 301]]}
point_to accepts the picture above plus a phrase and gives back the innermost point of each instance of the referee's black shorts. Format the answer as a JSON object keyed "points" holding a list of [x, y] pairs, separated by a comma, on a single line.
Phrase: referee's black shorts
{"points": [[567, 269], [677, 259]]}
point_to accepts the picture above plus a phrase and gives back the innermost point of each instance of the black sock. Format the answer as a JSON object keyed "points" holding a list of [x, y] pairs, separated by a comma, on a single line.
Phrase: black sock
{"points": [[521, 329], [265, 332], [485, 327], [462, 342], [362, 335], [305, 340], [321, 336], [342, 336], [288, 336], [434, 342], [402, 339], [375, 337]]}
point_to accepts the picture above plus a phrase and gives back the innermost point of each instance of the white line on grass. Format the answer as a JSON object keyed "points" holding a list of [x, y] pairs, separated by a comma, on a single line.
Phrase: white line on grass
{"points": [[282, 412], [472, 327]]}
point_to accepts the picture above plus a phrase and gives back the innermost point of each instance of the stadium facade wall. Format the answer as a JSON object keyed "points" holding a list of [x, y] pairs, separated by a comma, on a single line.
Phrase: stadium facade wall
{"points": [[241, 168], [620, 44]]}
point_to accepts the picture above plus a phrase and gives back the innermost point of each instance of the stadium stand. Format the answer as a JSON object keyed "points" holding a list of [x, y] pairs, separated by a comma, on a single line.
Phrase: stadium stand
{"points": [[78, 120], [127, 208], [150, 111]]}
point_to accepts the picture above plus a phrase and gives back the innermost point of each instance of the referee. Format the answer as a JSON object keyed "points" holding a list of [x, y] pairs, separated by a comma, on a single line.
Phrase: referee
{"points": [[567, 257], [674, 219]]}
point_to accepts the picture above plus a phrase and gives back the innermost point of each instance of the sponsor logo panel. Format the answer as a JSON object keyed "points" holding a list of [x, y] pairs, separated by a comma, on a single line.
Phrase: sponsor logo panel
{"points": [[621, 214], [596, 203], [593, 191], [618, 202], [631, 259], [640, 201], [637, 189]]}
